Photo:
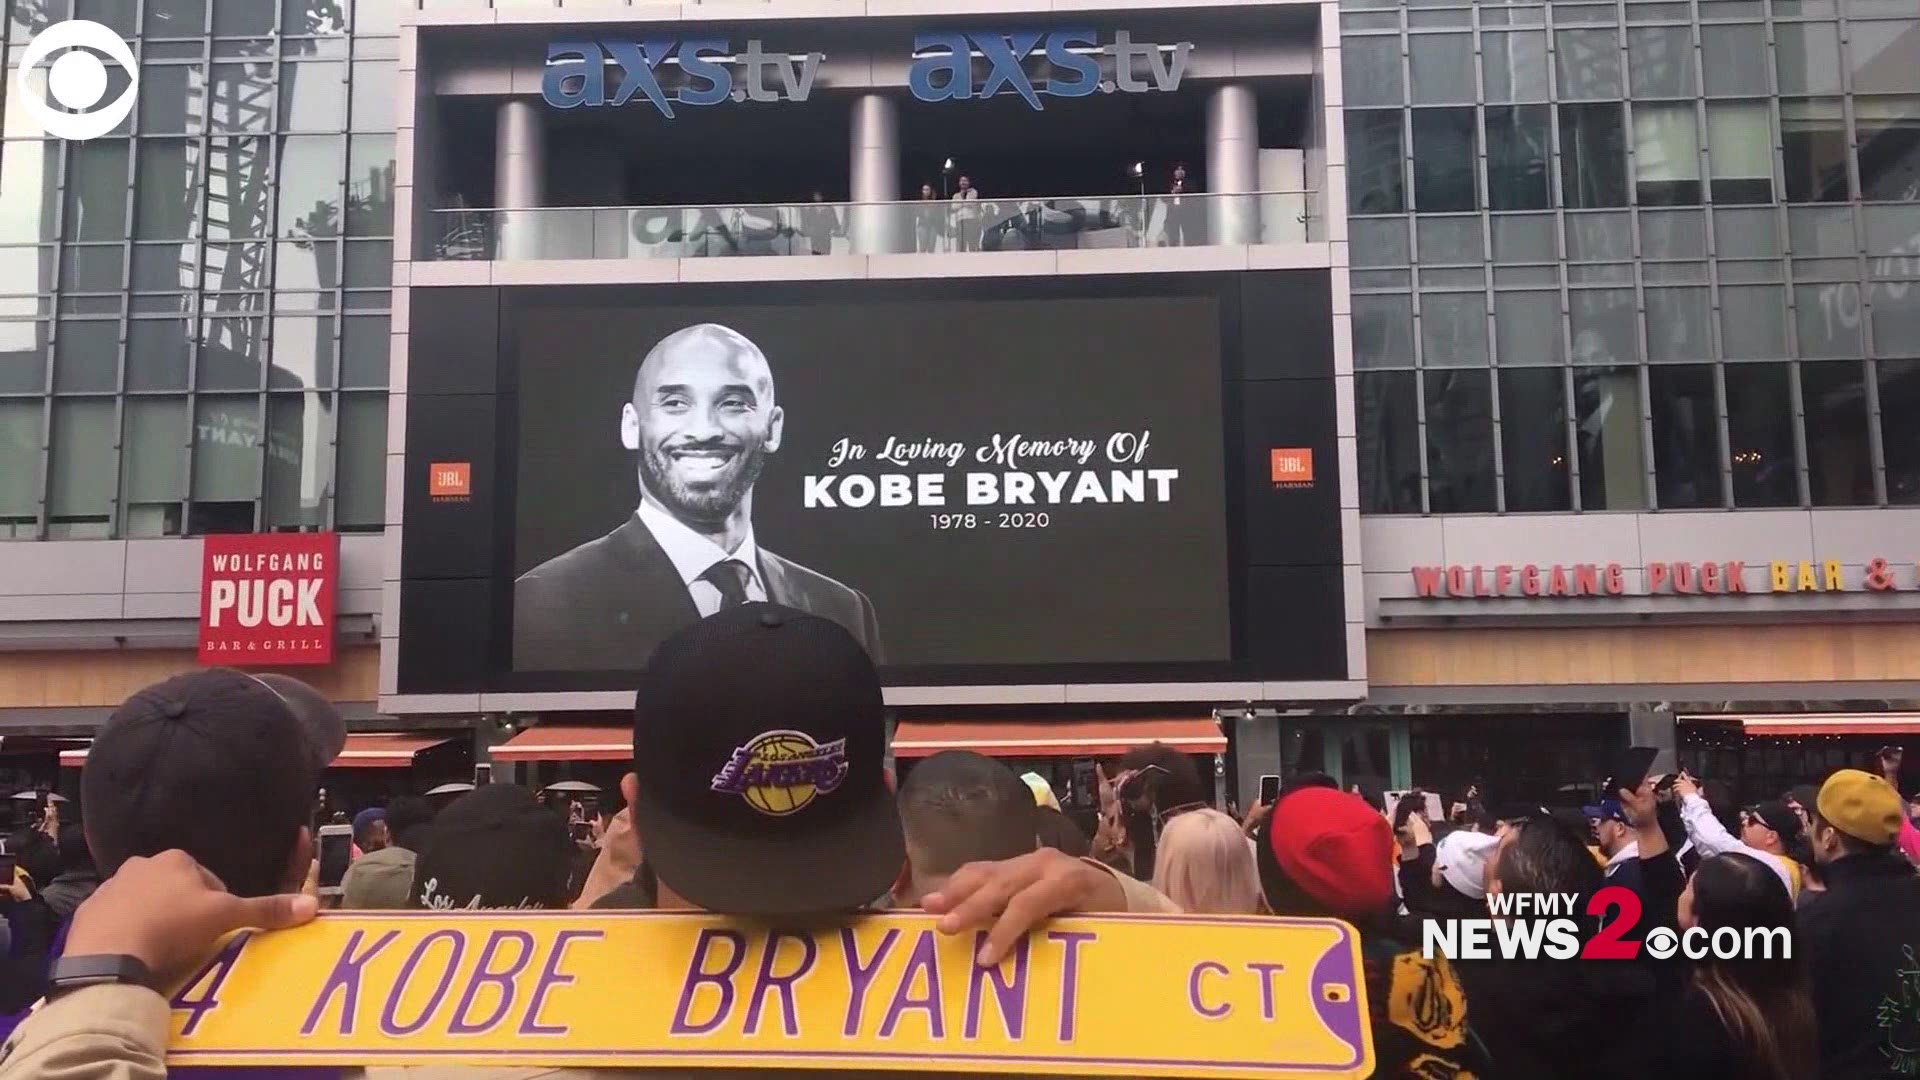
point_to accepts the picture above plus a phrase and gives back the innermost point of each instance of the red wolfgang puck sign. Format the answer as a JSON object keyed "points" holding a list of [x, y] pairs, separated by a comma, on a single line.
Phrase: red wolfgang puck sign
{"points": [[267, 599]]}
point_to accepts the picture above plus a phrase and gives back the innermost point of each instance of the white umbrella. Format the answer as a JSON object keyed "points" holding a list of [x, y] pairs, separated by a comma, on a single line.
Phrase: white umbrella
{"points": [[451, 789], [573, 786]]}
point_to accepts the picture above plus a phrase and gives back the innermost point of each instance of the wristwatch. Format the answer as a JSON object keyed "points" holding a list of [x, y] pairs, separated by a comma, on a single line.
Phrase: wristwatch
{"points": [[72, 973]]}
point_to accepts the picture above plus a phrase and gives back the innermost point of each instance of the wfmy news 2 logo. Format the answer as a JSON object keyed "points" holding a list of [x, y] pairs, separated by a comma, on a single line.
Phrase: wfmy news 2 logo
{"points": [[76, 80], [1545, 926]]}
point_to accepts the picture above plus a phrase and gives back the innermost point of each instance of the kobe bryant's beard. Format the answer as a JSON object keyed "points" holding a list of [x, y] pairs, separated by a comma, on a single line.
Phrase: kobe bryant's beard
{"points": [[709, 506]]}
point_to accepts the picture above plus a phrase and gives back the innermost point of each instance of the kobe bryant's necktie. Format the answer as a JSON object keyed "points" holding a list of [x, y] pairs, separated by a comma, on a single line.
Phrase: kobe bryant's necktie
{"points": [[730, 576]]}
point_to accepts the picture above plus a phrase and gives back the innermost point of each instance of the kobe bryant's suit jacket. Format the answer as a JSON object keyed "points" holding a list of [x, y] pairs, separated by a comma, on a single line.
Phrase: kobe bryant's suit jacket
{"points": [[604, 605]]}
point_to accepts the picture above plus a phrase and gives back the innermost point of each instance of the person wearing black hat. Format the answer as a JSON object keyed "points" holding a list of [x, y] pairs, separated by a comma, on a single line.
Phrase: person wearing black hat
{"points": [[1767, 832], [494, 848]]}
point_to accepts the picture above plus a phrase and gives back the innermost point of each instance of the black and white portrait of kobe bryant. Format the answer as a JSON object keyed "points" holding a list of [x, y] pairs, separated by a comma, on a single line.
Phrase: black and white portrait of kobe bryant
{"points": [[703, 418]]}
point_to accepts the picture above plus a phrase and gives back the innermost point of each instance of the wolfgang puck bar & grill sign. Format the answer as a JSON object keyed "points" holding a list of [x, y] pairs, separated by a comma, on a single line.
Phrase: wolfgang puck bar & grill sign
{"points": [[268, 598], [1174, 996]]}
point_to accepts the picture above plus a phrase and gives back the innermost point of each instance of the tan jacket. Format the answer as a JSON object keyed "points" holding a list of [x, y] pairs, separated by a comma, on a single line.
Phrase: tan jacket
{"points": [[120, 1033]]}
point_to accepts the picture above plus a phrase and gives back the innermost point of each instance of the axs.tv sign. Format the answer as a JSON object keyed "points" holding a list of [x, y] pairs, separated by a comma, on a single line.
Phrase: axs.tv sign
{"points": [[673, 71]]}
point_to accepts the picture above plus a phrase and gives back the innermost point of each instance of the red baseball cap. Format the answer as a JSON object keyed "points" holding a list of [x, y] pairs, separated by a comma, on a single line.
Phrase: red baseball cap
{"points": [[1333, 847]]}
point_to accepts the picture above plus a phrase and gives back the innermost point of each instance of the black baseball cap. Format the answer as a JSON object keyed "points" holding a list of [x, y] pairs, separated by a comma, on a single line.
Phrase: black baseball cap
{"points": [[217, 762], [1629, 770], [759, 743], [494, 847]]}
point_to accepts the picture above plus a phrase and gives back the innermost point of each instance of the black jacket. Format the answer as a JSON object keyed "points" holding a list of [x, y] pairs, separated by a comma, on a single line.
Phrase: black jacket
{"points": [[1863, 942], [604, 605]]}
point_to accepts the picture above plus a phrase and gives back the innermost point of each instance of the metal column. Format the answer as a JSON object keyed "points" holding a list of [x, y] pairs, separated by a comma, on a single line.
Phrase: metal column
{"points": [[519, 177], [1233, 164], [875, 173]]}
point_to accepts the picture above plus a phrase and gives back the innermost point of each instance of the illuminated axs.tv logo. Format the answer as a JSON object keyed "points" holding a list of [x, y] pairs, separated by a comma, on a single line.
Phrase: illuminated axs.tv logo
{"points": [[1066, 63], [673, 71]]}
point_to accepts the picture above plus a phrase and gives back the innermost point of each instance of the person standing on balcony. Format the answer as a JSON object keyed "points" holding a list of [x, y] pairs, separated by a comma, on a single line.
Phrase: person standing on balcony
{"points": [[966, 216], [926, 222], [1175, 233], [821, 224]]}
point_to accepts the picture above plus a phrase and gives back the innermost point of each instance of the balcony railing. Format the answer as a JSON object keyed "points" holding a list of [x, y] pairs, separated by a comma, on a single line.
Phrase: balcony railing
{"points": [[878, 228]]}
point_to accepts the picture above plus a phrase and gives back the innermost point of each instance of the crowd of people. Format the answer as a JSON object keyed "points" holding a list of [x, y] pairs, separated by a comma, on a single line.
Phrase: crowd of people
{"points": [[760, 788]]}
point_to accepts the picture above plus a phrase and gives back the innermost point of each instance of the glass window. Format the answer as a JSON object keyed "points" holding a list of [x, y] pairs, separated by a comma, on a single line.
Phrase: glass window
{"points": [[1828, 318], [1370, 67], [1660, 61], [1896, 317], [242, 97], [1753, 322], [1527, 327], [161, 268], [299, 435], [307, 17], [1893, 231], [1513, 64], [118, 15], [1899, 429], [1808, 57], [1822, 231], [80, 482], [310, 170], [1389, 442], [1459, 441], [306, 264], [376, 91], [237, 210], [1673, 234], [302, 352], [153, 468], [1450, 241], [1382, 331], [171, 100], [86, 356], [370, 263], [1679, 324], [242, 18], [366, 341], [20, 423], [361, 500], [1518, 138], [1376, 178], [28, 173], [1885, 54], [1686, 439], [176, 18], [1607, 432], [1813, 139], [1889, 130], [375, 17], [1533, 439], [157, 354], [1379, 242], [1604, 328], [23, 357], [226, 449], [1760, 434], [1747, 234], [1839, 463], [370, 185], [1524, 238], [164, 195], [1593, 156], [1453, 329], [97, 190], [1732, 59], [1666, 147], [1588, 63], [92, 268], [1443, 160], [313, 96], [231, 351], [1442, 67], [1740, 149]]}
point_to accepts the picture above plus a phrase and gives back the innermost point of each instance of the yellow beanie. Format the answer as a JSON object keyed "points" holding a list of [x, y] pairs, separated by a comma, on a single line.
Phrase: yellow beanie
{"points": [[1862, 805]]}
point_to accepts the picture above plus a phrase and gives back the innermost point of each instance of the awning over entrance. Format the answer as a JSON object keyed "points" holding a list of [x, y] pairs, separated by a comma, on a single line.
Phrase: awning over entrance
{"points": [[1056, 738], [376, 750], [567, 742], [1882, 723]]}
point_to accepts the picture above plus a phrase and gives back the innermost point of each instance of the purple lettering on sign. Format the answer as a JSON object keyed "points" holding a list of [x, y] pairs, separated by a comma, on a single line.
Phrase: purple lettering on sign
{"points": [[389, 1017], [484, 975], [925, 958], [550, 978], [768, 982], [860, 977], [1070, 940], [345, 976], [1266, 973], [215, 976], [1193, 990], [1011, 993], [697, 974]]}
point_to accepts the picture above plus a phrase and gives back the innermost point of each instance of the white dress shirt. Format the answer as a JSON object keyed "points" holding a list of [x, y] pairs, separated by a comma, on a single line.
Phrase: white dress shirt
{"points": [[693, 555]]}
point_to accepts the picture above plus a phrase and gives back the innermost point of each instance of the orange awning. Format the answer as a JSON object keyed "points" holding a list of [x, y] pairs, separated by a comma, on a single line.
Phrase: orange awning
{"points": [[567, 742], [1056, 738], [1879, 723], [362, 751]]}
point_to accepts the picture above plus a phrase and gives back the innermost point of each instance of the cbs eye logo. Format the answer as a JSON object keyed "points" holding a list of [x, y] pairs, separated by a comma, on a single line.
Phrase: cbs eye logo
{"points": [[77, 80]]}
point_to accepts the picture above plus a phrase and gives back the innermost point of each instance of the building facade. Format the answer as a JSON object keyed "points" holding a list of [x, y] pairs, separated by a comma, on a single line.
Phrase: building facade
{"points": [[1558, 360]]}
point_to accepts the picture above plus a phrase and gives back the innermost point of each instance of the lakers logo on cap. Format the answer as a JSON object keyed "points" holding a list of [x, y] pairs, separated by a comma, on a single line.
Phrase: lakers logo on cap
{"points": [[780, 772]]}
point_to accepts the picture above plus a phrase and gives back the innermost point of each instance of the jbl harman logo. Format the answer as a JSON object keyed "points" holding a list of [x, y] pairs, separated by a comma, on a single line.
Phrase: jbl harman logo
{"points": [[450, 479], [1292, 466]]}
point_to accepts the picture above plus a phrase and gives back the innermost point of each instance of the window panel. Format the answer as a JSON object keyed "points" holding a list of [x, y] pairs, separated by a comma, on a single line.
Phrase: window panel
{"points": [[165, 194], [153, 467], [1885, 54], [366, 341], [1740, 151], [171, 100], [29, 173], [176, 18], [370, 185], [118, 15], [313, 96], [242, 18], [1588, 64], [1760, 434], [299, 459], [1376, 177], [1442, 66], [306, 17], [1593, 156], [1893, 235], [1899, 428], [1813, 139], [163, 268], [1513, 65], [309, 179], [1533, 439], [1839, 463], [1379, 243], [1607, 434], [1518, 138], [86, 356], [1604, 327], [1443, 160], [302, 353], [1679, 324], [1828, 318], [80, 479], [1370, 67], [20, 427], [226, 450], [369, 263], [375, 91], [1732, 59], [1382, 331], [232, 351], [92, 268], [96, 206], [1686, 439], [1389, 442], [1524, 238], [1450, 241], [306, 265], [1753, 322], [23, 357], [242, 97], [1527, 327], [1896, 317], [1673, 234], [1889, 131], [1660, 61], [157, 354], [1453, 329], [360, 504], [1666, 148], [1807, 57], [1459, 441]]}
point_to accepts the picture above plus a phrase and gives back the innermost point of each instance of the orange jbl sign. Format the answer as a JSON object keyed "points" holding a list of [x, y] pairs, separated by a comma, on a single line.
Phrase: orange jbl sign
{"points": [[1292, 466], [450, 479]]}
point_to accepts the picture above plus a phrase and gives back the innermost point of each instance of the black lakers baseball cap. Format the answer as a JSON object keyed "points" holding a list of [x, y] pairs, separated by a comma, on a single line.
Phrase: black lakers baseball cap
{"points": [[759, 744], [220, 763]]}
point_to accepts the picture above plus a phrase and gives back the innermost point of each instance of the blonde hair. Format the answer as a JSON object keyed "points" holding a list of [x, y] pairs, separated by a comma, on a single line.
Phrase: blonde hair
{"points": [[1205, 864]]}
